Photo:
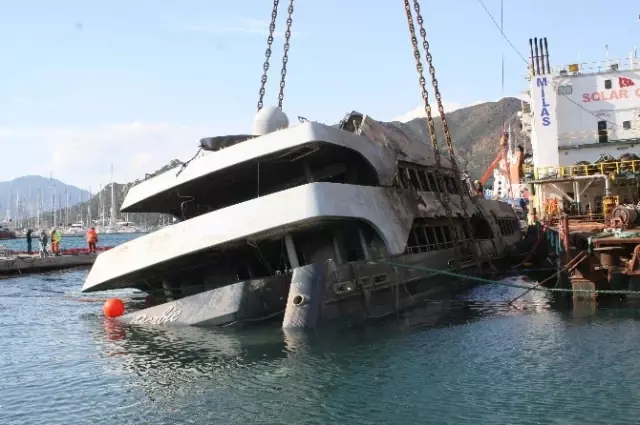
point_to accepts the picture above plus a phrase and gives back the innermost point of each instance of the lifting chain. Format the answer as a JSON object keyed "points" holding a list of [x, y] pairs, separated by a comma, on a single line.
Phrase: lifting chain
{"points": [[447, 136], [445, 200], [267, 53], [285, 55], [442, 193]]}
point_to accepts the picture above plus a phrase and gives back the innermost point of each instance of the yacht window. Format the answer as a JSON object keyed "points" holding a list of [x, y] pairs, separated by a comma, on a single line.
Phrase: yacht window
{"points": [[422, 239], [422, 176], [432, 182], [404, 181], [413, 177], [431, 237], [447, 236]]}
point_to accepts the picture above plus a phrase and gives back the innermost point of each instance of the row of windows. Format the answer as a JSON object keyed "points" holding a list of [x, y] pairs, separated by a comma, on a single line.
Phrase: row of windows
{"points": [[413, 176], [430, 237], [508, 226], [432, 234]]}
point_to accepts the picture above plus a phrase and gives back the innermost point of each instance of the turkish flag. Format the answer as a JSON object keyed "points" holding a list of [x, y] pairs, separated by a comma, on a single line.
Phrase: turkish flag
{"points": [[625, 82]]}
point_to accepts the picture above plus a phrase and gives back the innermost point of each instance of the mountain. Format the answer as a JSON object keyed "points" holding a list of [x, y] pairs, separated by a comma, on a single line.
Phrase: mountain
{"points": [[475, 132], [34, 191]]}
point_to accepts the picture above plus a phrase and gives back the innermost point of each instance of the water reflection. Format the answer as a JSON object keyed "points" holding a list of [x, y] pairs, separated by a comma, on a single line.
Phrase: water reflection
{"points": [[176, 357]]}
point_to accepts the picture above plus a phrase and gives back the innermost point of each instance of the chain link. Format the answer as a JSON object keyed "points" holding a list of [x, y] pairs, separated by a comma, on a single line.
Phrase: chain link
{"points": [[285, 56], [267, 53]]}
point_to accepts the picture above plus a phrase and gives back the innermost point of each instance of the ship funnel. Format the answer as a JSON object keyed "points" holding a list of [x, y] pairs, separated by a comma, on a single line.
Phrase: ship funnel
{"points": [[541, 44], [546, 52], [535, 47], [533, 69]]}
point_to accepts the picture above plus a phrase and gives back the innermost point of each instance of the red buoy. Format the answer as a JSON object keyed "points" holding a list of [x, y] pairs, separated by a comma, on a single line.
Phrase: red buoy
{"points": [[113, 307]]}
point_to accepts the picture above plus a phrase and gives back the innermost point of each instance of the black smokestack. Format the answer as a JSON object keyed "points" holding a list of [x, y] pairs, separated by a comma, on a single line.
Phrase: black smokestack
{"points": [[535, 45], [546, 49], [533, 71], [542, 56]]}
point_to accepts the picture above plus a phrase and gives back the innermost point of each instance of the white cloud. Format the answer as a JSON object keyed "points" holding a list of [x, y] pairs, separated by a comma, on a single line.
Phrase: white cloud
{"points": [[83, 156]]}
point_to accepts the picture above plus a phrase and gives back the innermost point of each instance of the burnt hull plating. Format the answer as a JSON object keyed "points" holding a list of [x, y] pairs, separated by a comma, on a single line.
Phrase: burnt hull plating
{"points": [[314, 295]]}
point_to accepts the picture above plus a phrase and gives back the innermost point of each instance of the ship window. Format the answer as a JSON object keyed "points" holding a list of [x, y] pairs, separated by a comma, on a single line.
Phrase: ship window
{"points": [[565, 90], [402, 172], [422, 239], [433, 187], [626, 125], [607, 84], [431, 236], [413, 177], [423, 180]]}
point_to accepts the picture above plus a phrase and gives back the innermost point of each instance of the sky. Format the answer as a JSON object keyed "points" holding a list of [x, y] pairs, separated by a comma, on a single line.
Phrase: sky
{"points": [[136, 83]]}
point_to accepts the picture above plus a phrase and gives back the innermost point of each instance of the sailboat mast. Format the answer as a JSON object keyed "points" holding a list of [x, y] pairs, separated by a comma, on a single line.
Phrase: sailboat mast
{"points": [[16, 221], [112, 215], [89, 223], [101, 205]]}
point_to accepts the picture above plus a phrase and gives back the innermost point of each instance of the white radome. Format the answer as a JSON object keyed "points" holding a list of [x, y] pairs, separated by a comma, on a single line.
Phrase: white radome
{"points": [[268, 120]]}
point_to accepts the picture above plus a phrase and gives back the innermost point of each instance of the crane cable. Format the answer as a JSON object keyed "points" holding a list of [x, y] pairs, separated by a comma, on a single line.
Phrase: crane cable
{"points": [[267, 53]]}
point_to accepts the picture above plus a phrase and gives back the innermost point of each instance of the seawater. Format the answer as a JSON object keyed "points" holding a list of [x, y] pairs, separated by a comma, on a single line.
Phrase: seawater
{"points": [[469, 360]]}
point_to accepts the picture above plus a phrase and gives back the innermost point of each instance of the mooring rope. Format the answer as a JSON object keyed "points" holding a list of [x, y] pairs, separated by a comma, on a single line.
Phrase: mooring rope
{"points": [[513, 285]]}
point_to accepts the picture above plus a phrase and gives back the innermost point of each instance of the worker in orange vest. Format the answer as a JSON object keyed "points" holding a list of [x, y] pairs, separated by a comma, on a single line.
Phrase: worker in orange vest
{"points": [[92, 239]]}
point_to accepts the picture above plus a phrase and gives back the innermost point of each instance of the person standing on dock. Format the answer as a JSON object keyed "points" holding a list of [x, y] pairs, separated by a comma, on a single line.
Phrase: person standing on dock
{"points": [[92, 239], [29, 232], [55, 242], [44, 239]]}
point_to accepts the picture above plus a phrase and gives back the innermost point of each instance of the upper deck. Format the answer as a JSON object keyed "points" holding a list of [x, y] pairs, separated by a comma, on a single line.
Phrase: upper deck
{"points": [[364, 153]]}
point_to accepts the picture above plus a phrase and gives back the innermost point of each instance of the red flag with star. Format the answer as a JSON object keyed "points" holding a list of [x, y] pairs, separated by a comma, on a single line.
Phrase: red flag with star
{"points": [[625, 82]]}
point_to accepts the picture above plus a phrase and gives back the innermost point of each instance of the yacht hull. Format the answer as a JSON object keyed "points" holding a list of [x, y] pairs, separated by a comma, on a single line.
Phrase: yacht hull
{"points": [[321, 293]]}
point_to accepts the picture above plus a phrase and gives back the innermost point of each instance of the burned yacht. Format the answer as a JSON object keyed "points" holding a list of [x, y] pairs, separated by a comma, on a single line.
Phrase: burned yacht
{"points": [[311, 222]]}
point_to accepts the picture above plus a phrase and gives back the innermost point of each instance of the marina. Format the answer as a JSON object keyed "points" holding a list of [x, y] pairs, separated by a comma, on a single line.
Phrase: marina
{"points": [[457, 264]]}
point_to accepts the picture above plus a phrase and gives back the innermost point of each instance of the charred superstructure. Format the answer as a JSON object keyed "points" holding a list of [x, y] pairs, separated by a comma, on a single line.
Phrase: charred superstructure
{"points": [[302, 218]]}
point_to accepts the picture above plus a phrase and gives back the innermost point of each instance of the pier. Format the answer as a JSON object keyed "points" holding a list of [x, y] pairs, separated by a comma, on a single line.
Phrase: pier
{"points": [[18, 263]]}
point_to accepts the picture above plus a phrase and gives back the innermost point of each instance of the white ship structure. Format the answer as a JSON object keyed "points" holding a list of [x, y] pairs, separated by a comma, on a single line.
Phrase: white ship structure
{"points": [[583, 120]]}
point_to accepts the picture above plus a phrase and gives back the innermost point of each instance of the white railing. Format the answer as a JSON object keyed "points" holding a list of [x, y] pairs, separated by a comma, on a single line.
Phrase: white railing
{"points": [[584, 68]]}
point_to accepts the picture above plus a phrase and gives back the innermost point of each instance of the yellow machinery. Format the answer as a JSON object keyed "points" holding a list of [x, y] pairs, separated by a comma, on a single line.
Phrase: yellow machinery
{"points": [[608, 204]]}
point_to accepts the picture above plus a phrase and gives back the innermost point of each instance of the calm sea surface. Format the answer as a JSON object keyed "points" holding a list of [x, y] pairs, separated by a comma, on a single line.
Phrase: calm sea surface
{"points": [[471, 360]]}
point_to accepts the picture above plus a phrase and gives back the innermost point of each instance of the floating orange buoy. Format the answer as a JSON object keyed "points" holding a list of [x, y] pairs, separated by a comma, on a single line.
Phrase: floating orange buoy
{"points": [[113, 307]]}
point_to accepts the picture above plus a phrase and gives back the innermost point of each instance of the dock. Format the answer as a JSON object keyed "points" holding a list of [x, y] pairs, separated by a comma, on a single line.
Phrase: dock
{"points": [[602, 259], [18, 263]]}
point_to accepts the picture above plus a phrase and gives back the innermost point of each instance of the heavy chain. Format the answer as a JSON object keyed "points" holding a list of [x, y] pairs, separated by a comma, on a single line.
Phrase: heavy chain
{"points": [[447, 135], [267, 53], [442, 193], [285, 56], [446, 132]]}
